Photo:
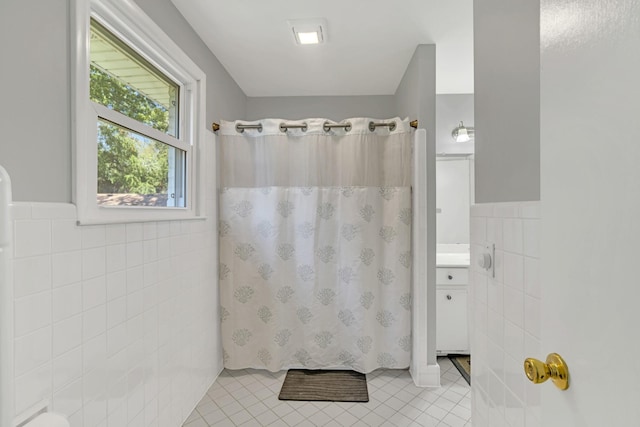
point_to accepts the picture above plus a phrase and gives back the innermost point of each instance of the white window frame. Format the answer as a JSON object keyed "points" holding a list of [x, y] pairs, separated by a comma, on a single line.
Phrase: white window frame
{"points": [[130, 24]]}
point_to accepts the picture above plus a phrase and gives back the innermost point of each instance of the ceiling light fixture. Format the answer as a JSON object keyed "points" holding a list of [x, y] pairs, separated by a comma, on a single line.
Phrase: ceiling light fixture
{"points": [[463, 133], [308, 38], [308, 31]]}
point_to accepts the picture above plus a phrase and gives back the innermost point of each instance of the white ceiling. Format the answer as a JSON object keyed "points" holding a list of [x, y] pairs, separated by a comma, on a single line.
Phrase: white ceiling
{"points": [[369, 43]]}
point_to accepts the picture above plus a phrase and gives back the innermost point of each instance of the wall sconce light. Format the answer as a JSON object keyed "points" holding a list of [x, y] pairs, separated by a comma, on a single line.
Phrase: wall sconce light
{"points": [[463, 133]]}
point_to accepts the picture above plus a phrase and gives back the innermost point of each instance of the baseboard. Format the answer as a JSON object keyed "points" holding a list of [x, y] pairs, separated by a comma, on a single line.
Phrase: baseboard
{"points": [[426, 375]]}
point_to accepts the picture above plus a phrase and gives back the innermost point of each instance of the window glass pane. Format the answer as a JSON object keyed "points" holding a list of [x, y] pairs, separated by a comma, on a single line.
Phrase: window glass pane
{"points": [[122, 80], [134, 170]]}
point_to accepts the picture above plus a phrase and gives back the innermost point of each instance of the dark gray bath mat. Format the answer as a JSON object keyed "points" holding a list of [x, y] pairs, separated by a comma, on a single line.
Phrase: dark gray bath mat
{"points": [[330, 386], [463, 364]]}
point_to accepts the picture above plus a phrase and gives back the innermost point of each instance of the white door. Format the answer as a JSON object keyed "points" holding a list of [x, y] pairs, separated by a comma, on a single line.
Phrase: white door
{"points": [[590, 198]]}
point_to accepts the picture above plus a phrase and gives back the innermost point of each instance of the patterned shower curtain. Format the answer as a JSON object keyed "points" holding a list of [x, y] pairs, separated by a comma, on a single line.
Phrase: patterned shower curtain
{"points": [[315, 246]]}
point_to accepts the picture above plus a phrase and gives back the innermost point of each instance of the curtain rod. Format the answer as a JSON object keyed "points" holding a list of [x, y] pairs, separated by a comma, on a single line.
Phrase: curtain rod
{"points": [[327, 126]]}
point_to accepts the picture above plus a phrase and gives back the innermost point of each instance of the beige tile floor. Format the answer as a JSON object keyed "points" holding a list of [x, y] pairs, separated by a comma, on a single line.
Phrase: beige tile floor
{"points": [[249, 397]]}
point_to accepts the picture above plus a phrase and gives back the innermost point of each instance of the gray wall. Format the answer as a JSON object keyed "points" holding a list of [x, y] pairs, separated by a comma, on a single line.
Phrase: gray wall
{"points": [[507, 98], [331, 107], [451, 109], [36, 145], [407, 96], [225, 99], [35, 113], [416, 98]]}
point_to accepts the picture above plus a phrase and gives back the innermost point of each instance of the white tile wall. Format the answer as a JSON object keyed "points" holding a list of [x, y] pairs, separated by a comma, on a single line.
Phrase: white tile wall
{"points": [[505, 313], [115, 325]]}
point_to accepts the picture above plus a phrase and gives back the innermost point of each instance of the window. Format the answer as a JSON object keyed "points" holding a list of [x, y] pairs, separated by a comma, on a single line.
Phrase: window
{"points": [[140, 117]]}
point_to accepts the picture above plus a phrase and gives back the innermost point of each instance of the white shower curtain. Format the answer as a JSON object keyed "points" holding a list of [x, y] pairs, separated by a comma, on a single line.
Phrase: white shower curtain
{"points": [[315, 246]]}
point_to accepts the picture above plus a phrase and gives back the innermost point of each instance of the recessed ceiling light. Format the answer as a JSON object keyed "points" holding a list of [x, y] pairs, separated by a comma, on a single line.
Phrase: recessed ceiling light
{"points": [[308, 38], [308, 31]]}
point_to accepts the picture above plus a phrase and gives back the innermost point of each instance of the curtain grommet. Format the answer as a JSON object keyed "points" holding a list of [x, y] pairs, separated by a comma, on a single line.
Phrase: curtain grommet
{"points": [[284, 128]]}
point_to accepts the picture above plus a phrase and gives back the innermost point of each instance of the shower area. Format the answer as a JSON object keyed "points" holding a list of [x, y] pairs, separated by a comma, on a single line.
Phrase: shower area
{"points": [[318, 229]]}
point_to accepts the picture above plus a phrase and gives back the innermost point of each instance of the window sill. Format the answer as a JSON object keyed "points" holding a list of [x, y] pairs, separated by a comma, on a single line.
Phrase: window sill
{"points": [[103, 221]]}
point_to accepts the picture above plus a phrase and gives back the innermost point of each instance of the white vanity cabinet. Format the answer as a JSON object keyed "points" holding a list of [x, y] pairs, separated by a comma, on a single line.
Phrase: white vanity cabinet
{"points": [[451, 310]]}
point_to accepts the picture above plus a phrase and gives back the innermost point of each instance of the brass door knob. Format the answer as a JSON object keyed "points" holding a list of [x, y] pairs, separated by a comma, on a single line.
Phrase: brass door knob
{"points": [[555, 368]]}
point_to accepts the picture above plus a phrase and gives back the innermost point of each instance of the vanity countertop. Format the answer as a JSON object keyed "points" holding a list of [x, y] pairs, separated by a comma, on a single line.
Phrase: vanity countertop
{"points": [[453, 255], [452, 260]]}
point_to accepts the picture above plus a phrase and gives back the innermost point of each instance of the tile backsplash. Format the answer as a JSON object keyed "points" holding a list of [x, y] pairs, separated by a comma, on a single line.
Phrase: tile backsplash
{"points": [[505, 313], [115, 325]]}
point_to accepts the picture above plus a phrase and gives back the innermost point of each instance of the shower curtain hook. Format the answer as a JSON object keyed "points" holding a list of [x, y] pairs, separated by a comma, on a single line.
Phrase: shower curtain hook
{"points": [[285, 127], [328, 126], [240, 127], [390, 125]]}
